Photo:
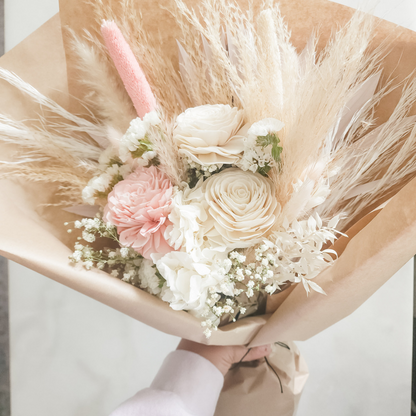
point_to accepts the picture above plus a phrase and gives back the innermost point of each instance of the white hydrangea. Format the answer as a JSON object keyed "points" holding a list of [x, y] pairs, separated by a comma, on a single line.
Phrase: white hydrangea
{"points": [[101, 183], [188, 282], [135, 133], [255, 156], [189, 218], [152, 118]]}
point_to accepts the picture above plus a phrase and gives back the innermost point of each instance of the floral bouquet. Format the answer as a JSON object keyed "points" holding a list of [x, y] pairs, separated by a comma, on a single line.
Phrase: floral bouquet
{"points": [[212, 180]]}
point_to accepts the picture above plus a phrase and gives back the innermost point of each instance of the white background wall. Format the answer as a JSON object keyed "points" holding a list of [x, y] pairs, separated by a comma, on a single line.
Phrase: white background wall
{"points": [[71, 355]]}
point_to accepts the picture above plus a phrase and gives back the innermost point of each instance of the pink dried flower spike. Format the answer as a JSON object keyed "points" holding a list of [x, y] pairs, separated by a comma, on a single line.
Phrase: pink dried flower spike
{"points": [[128, 68]]}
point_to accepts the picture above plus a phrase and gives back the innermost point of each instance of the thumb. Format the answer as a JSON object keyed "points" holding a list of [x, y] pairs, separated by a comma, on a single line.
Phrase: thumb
{"points": [[258, 352]]}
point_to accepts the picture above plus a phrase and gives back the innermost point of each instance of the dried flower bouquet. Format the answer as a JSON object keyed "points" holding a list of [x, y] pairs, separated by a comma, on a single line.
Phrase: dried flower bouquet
{"points": [[217, 185]]}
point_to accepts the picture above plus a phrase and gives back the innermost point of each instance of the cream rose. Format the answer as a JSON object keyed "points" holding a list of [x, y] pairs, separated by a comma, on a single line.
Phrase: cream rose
{"points": [[243, 206], [208, 134]]}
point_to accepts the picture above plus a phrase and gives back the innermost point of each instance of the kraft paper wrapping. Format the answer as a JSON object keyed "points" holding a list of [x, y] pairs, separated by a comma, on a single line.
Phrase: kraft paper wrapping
{"points": [[34, 236], [255, 385]]}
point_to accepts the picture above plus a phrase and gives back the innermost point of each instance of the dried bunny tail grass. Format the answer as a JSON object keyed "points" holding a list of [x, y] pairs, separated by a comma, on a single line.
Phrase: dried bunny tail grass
{"points": [[160, 72], [94, 131], [317, 97], [386, 165], [168, 154], [70, 185], [105, 91]]}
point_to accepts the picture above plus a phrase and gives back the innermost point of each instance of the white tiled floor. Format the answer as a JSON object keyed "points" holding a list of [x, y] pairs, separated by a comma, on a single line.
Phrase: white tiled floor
{"points": [[72, 356]]}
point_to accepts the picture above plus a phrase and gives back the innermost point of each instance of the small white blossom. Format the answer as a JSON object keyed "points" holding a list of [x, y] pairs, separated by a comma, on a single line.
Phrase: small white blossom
{"points": [[89, 264], [77, 255], [90, 238], [152, 118], [208, 333]]}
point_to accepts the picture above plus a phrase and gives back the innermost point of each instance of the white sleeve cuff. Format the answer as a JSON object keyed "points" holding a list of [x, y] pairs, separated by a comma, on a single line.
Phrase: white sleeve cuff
{"points": [[193, 378]]}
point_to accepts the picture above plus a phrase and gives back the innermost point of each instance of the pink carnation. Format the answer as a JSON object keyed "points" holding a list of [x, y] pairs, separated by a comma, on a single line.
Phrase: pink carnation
{"points": [[139, 207]]}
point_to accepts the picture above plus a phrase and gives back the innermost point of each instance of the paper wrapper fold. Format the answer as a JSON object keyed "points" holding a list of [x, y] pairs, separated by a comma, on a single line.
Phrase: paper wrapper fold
{"points": [[35, 237], [255, 385]]}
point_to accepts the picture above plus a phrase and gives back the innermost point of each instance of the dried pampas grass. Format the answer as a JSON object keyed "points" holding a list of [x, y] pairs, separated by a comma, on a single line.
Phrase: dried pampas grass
{"points": [[58, 148], [170, 161], [332, 158], [105, 91], [326, 100]]}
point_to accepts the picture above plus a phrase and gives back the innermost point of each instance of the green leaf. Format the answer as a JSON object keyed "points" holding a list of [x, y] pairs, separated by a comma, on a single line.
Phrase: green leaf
{"points": [[276, 152], [162, 280], [139, 152], [273, 140], [265, 141], [264, 170], [144, 146]]}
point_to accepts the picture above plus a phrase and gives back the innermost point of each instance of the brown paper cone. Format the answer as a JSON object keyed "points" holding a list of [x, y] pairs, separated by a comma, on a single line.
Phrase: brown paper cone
{"points": [[254, 388]]}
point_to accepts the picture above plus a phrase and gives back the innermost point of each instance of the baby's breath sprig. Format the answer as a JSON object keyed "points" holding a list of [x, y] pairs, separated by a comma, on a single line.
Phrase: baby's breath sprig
{"points": [[122, 262], [239, 288]]}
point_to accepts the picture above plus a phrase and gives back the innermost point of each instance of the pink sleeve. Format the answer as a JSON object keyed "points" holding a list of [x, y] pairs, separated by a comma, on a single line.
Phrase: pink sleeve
{"points": [[186, 385]]}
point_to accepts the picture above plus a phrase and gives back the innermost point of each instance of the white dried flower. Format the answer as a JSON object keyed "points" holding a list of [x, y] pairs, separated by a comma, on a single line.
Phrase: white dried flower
{"points": [[90, 238], [242, 205], [188, 282], [189, 218], [208, 134], [256, 156], [148, 278], [152, 118], [89, 264]]}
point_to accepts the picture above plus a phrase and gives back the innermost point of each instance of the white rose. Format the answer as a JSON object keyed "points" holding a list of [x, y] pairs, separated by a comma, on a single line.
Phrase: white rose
{"points": [[208, 134], [243, 206], [188, 281]]}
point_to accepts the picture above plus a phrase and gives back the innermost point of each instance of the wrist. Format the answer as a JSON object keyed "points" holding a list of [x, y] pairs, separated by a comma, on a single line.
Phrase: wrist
{"points": [[214, 354]]}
